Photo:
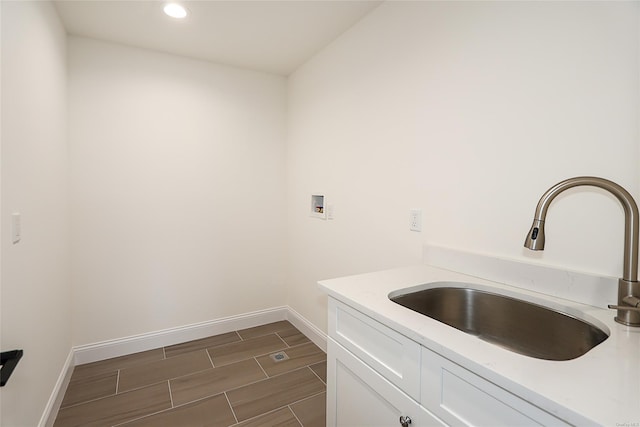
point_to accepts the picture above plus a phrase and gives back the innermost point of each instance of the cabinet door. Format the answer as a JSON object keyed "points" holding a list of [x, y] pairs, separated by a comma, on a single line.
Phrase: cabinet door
{"points": [[359, 396]]}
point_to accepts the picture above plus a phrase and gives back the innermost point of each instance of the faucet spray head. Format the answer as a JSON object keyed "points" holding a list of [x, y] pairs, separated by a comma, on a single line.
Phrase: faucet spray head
{"points": [[535, 238]]}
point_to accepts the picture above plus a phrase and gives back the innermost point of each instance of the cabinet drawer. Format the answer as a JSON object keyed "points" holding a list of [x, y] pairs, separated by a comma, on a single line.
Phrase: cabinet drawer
{"points": [[359, 396], [461, 398], [391, 354]]}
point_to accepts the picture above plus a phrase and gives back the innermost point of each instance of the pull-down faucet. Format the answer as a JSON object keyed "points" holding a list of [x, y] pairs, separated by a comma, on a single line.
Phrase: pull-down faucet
{"points": [[628, 286]]}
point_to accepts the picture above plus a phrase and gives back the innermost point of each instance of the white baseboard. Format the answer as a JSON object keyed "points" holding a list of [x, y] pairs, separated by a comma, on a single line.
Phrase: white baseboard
{"points": [[312, 332], [137, 343], [53, 405]]}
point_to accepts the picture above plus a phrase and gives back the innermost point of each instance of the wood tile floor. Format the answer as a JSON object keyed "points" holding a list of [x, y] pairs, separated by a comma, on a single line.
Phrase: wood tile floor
{"points": [[232, 379]]}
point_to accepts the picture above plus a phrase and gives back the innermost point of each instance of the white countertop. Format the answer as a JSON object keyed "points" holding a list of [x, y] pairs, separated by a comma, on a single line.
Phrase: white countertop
{"points": [[601, 387]]}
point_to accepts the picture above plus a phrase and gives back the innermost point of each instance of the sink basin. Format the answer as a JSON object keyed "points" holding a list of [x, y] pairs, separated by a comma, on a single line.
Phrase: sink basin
{"points": [[520, 326]]}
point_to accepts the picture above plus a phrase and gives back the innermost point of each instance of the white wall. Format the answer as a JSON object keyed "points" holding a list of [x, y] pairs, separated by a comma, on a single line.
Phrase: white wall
{"points": [[470, 111], [36, 300], [177, 190]]}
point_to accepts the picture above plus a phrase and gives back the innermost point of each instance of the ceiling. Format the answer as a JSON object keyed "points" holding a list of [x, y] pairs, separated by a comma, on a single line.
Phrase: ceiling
{"points": [[272, 36]]}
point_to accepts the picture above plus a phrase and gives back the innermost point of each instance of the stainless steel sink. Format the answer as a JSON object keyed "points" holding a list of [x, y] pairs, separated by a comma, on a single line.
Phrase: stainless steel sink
{"points": [[517, 325]]}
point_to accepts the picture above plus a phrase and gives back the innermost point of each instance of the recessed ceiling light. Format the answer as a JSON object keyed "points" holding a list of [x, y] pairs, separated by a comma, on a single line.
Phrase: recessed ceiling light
{"points": [[175, 10]]}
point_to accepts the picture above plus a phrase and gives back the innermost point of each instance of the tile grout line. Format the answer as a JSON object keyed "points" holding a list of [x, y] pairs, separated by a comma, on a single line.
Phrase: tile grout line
{"points": [[88, 401], [308, 397], [199, 399], [231, 407], [294, 414], [271, 411], [170, 394], [314, 373], [141, 417], [213, 365], [268, 378], [265, 372], [302, 400], [283, 340]]}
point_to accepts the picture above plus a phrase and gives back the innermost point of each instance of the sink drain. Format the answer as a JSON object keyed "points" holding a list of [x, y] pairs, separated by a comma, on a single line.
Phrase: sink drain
{"points": [[279, 356]]}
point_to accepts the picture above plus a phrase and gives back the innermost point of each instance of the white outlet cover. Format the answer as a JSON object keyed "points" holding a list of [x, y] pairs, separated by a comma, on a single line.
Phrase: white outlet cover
{"points": [[415, 220]]}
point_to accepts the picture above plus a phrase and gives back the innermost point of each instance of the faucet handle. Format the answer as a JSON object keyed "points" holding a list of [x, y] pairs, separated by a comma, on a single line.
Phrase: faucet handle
{"points": [[634, 304], [623, 307], [631, 300]]}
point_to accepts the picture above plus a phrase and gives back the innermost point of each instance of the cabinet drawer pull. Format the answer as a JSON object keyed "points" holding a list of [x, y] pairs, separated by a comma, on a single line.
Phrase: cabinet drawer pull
{"points": [[405, 421]]}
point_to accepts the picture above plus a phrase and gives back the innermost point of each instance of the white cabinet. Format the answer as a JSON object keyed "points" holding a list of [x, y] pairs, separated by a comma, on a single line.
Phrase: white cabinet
{"points": [[359, 396], [376, 375], [373, 373]]}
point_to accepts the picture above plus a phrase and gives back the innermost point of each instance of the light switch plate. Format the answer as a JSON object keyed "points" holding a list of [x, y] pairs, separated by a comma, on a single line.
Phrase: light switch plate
{"points": [[16, 228]]}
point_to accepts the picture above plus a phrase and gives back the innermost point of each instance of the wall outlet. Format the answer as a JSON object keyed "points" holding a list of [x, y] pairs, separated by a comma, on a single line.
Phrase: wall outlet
{"points": [[415, 220]]}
